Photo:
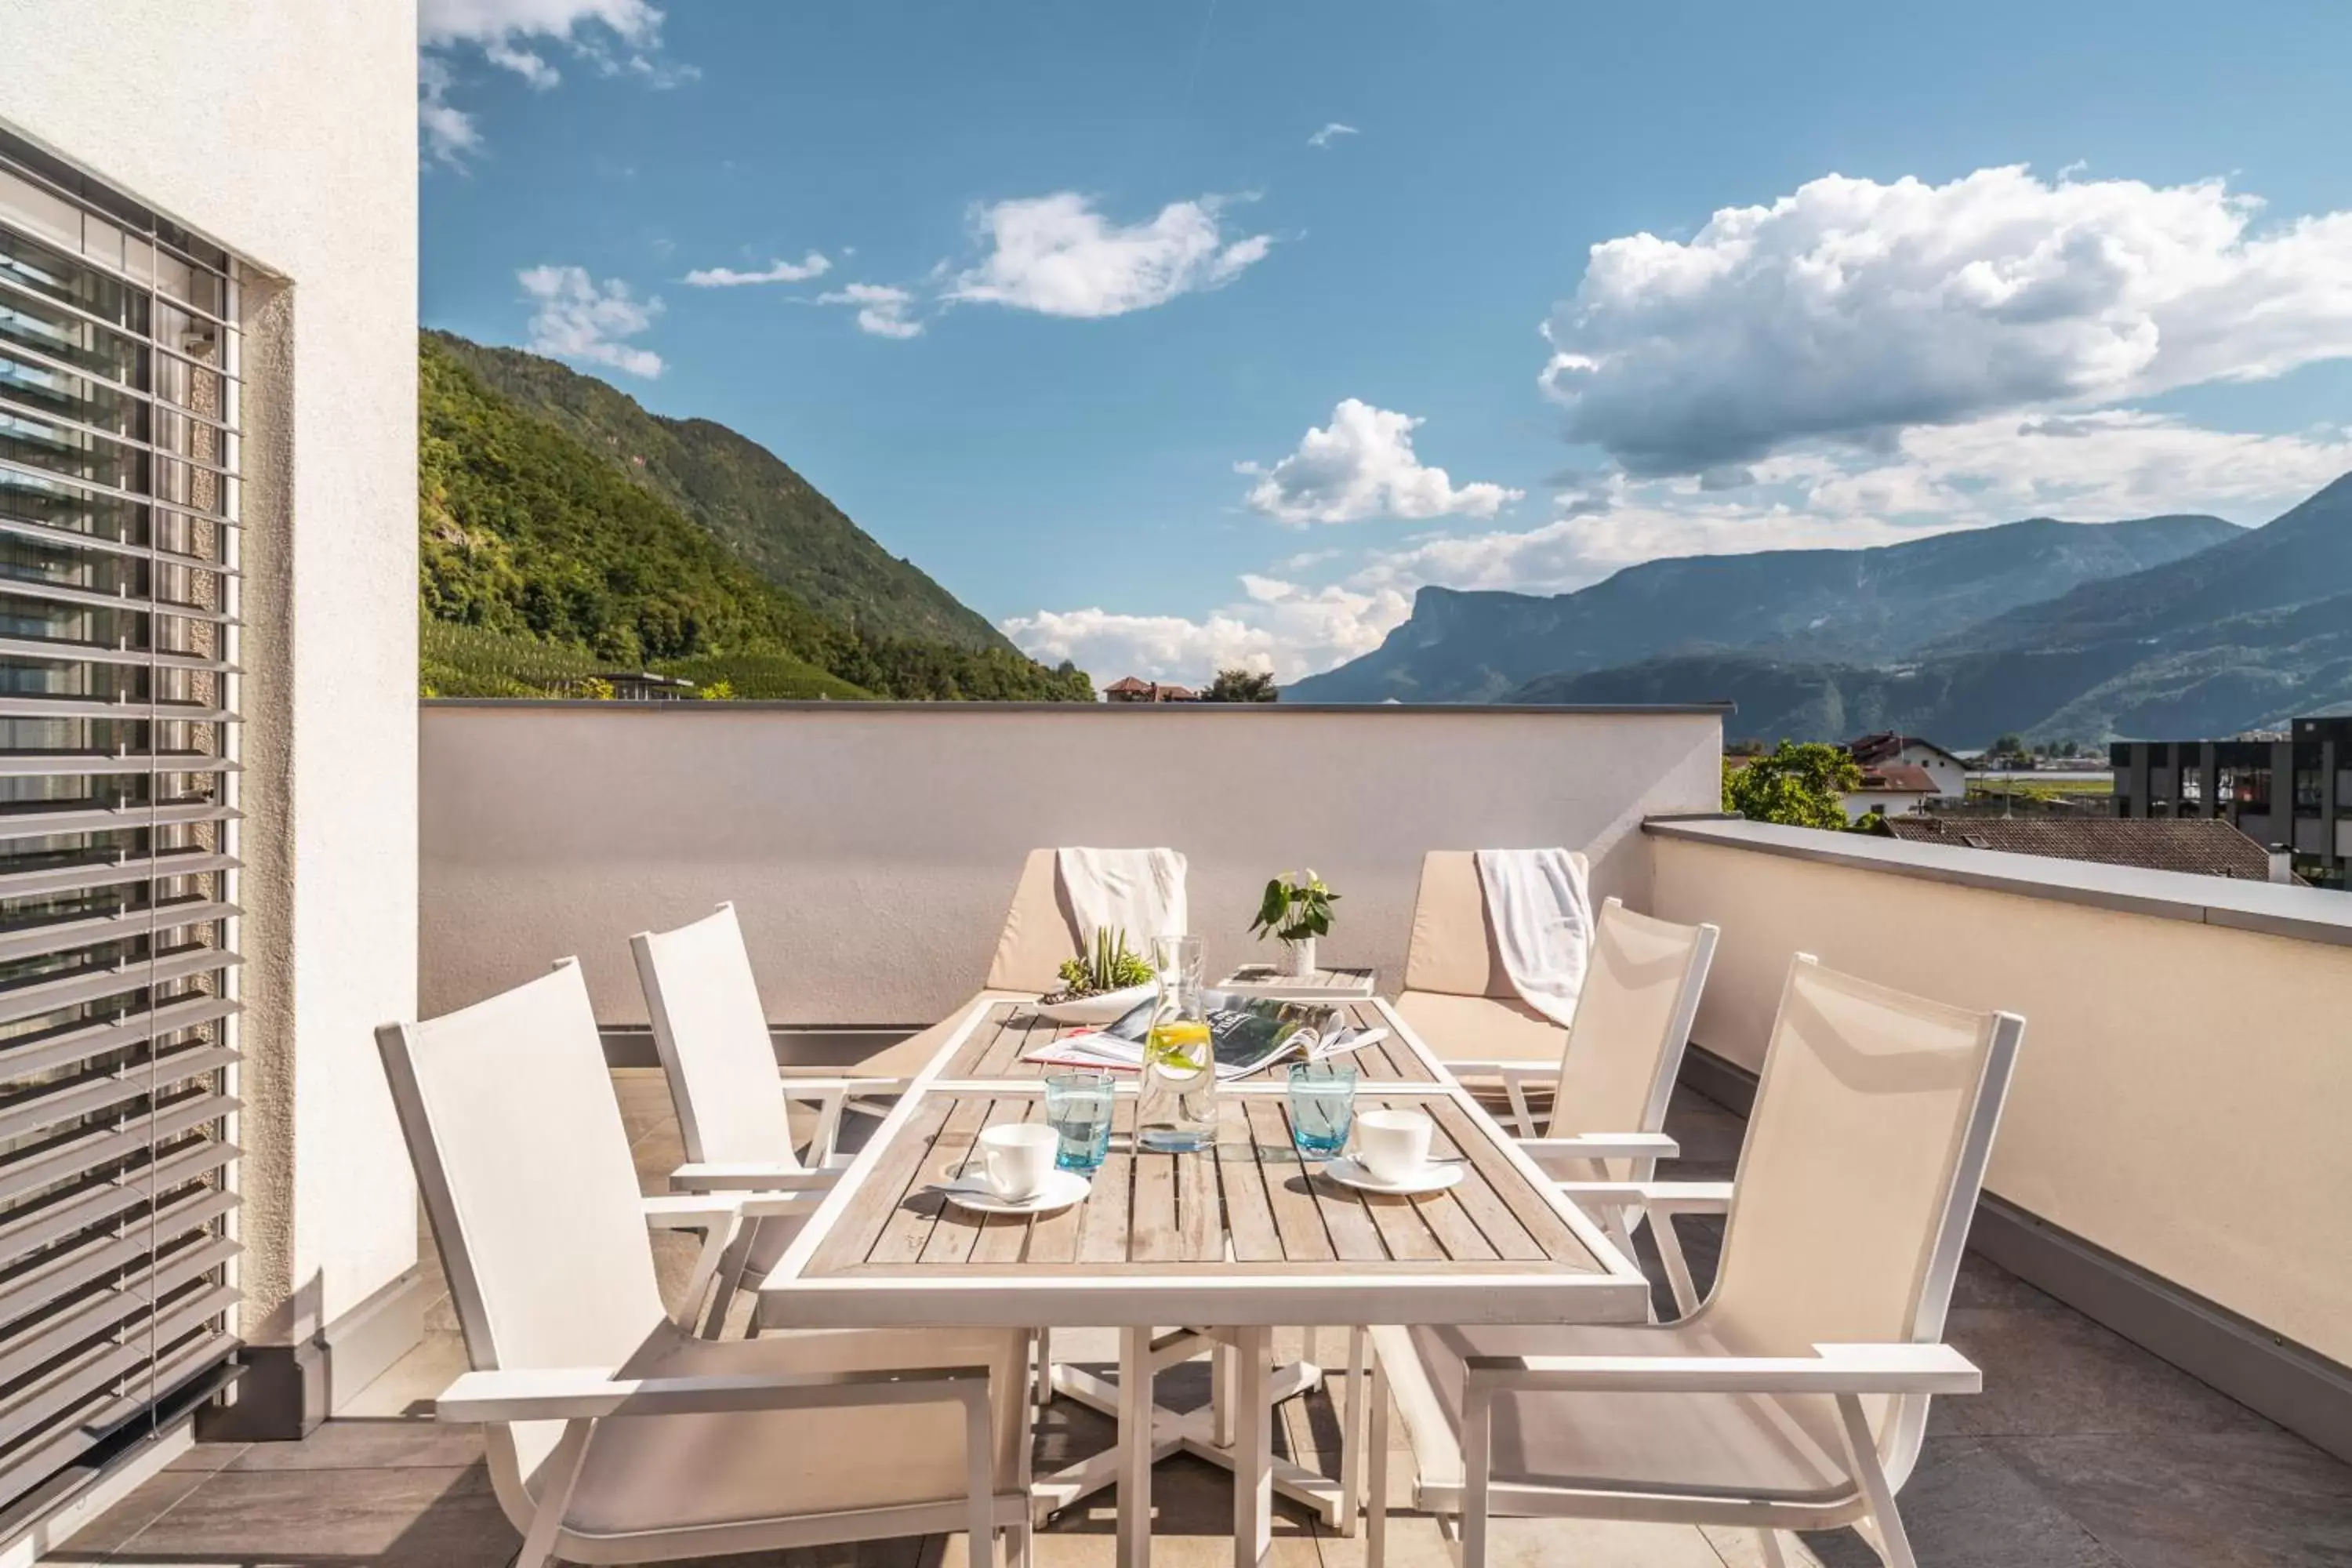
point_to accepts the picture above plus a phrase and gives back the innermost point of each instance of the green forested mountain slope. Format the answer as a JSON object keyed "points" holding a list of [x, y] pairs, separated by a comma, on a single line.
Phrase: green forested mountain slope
{"points": [[770, 517], [541, 550]]}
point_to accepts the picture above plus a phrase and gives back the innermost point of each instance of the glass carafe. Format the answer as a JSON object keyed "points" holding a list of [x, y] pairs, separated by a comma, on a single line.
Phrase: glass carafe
{"points": [[1176, 1105]]}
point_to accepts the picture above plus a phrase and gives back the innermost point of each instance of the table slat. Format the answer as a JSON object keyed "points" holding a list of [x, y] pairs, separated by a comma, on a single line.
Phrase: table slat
{"points": [[1109, 1207], [1298, 1220]]}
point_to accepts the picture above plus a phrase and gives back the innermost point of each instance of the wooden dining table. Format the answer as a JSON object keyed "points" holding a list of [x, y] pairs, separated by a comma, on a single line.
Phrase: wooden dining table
{"points": [[1219, 1247]]}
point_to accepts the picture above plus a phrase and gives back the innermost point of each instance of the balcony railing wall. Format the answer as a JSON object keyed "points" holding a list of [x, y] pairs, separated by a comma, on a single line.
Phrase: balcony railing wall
{"points": [[872, 849], [2183, 1094]]}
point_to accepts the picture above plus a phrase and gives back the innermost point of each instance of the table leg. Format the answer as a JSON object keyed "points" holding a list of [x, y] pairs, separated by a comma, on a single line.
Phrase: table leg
{"points": [[1254, 1453], [1135, 1448]]}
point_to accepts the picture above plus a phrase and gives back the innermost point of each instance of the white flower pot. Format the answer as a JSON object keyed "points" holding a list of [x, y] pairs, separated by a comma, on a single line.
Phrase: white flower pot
{"points": [[1299, 958]]}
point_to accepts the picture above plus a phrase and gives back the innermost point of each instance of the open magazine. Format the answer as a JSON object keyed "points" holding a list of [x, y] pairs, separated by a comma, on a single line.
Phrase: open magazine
{"points": [[1245, 1033]]}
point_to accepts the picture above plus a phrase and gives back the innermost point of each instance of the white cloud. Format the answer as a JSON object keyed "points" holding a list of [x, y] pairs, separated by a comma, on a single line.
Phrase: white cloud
{"points": [[1853, 310], [612, 35], [1276, 627], [1363, 465], [1330, 133], [1057, 256], [883, 311], [813, 266], [449, 131], [580, 319], [2097, 467]]}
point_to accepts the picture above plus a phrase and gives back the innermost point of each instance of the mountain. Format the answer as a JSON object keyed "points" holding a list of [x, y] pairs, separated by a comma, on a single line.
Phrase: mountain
{"points": [[776, 521], [2247, 634], [2302, 554], [1839, 606], [540, 561]]}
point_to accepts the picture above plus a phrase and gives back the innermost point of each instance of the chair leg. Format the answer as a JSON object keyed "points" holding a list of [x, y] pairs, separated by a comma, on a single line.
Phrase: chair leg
{"points": [[1893, 1544], [1770, 1541], [1351, 1437], [1478, 1446], [561, 1471], [1375, 1398], [1043, 1390], [980, 1475]]}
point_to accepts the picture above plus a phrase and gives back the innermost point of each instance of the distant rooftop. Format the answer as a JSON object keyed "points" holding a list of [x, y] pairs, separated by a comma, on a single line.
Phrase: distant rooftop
{"points": [[2201, 846]]}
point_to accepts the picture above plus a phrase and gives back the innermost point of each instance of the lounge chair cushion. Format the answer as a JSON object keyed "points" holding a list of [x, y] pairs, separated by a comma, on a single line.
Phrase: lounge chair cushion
{"points": [[686, 1472], [1680, 1445], [1466, 1028]]}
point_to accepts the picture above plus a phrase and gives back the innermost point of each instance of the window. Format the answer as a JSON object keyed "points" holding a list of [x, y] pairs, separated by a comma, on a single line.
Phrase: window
{"points": [[119, 420]]}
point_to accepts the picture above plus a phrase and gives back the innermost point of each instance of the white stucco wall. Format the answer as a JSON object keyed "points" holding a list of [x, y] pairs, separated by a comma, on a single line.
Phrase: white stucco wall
{"points": [[286, 131], [872, 850], [2180, 1098]]}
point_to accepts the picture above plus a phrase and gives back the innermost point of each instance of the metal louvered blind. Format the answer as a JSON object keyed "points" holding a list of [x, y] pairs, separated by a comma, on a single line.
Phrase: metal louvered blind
{"points": [[118, 418]]}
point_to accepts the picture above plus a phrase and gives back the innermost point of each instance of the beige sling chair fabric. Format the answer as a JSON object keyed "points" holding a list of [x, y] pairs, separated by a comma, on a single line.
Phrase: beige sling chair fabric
{"points": [[1864, 1154], [526, 1176]]}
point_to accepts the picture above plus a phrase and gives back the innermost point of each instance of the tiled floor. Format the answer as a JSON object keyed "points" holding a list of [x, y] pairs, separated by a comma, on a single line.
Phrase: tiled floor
{"points": [[2082, 1452]]}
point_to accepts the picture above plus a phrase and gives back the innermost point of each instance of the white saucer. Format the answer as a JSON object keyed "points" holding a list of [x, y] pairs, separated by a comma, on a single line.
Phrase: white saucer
{"points": [[1062, 1189], [1435, 1179]]}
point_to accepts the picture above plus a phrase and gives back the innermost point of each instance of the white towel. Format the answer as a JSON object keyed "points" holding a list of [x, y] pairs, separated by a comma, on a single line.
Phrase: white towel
{"points": [[1137, 892], [1542, 911]]}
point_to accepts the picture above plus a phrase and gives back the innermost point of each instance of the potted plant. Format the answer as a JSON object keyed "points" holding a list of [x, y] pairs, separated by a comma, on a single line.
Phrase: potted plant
{"points": [[1295, 911]]}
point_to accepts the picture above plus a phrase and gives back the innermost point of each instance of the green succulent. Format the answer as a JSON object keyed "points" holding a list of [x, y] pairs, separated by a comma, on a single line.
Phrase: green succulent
{"points": [[1111, 966]]}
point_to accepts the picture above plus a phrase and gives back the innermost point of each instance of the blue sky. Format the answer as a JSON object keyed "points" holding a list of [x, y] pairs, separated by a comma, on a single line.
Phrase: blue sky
{"points": [[1081, 308]]}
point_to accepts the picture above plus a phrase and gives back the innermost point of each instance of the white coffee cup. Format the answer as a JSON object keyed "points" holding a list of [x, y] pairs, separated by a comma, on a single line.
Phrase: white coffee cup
{"points": [[1015, 1158], [1393, 1145]]}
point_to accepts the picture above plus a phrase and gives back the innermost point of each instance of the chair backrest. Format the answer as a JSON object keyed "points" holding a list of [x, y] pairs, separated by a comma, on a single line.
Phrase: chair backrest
{"points": [[525, 1171], [711, 1030], [1039, 933], [1624, 1050], [1864, 1156], [1453, 949]]}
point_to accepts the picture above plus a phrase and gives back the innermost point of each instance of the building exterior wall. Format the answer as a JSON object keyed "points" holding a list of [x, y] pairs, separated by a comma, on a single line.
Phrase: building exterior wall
{"points": [[871, 849], [1950, 777], [2180, 1098], [286, 131], [1861, 803]]}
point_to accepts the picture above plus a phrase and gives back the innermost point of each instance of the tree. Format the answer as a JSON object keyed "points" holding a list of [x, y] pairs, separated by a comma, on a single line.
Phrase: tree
{"points": [[2010, 745], [1797, 784], [1241, 686]]}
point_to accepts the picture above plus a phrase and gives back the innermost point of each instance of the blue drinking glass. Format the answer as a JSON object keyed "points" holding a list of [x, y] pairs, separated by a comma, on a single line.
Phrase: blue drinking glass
{"points": [[1322, 1108], [1077, 1107]]}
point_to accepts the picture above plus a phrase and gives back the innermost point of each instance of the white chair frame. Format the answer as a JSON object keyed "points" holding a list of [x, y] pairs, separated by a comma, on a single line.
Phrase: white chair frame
{"points": [[1921, 1366]]}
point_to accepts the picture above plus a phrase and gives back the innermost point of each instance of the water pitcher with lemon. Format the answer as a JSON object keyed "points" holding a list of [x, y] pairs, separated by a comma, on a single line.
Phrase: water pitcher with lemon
{"points": [[1176, 1105]]}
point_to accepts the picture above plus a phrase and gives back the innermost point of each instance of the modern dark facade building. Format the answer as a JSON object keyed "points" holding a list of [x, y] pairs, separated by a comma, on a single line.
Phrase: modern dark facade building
{"points": [[2293, 789]]}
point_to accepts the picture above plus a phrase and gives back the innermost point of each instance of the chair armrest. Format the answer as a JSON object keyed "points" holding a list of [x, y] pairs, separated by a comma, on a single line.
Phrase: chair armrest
{"points": [[1658, 1197], [543, 1393], [1831, 1369], [818, 1087], [703, 1211], [1502, 1066], [754, 1178], [1600, 1146]]}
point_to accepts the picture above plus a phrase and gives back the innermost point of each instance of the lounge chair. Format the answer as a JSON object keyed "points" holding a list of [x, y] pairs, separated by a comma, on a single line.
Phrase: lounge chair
{"points": [[614, 1434], [1796, 1396], [1456, 994], [1039, 932]]}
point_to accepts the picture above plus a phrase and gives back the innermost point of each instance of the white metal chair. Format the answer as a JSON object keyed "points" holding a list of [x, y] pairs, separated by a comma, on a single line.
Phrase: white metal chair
{"points": [[614, 1434], [711, 1031], [1615, 1077], [1796, 1397]]}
